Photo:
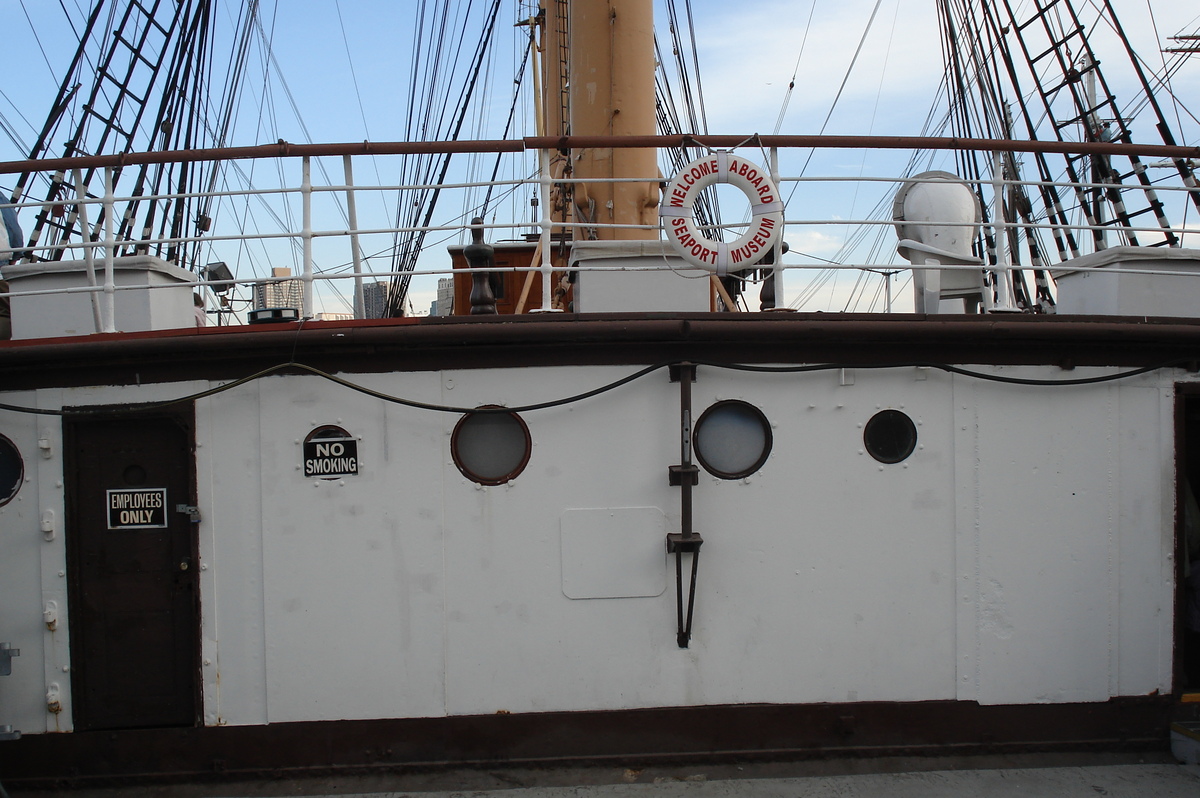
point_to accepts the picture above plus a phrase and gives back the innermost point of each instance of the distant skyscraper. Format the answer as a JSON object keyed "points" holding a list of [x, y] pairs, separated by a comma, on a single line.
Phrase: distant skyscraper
{"points": [[445, 297], [375, 299], [280, 294]]}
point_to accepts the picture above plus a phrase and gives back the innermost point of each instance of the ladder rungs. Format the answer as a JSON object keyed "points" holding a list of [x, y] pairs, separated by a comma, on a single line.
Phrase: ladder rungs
{"points": [[1042, 11], [1130, 215], [1055, 44], [111, 122], [1074, 120], [122, 89], [136, 52]]}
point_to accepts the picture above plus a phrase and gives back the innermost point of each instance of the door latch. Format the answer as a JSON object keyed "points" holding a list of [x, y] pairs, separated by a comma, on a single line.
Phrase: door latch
{"points": [[190, 510]]}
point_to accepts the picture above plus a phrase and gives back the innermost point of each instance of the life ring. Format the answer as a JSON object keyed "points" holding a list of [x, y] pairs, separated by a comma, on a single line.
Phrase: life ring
{"points": [[677, 212]]}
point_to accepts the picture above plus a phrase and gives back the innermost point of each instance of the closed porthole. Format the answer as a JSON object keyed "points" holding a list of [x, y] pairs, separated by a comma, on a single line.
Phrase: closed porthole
{"points": [[12, 471], [732, 439], [491, 448], [890, 436]]}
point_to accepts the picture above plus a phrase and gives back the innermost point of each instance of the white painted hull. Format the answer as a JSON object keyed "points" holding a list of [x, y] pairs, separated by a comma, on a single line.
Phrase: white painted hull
{"points": [[1023, 554]]}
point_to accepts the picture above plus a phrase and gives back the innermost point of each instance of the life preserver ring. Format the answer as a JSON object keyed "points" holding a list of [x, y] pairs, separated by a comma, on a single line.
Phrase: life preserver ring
{"points": [[677, 212]]}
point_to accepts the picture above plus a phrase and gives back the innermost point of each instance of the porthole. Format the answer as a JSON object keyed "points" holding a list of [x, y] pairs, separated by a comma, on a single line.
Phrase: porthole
{"points": [[134, 475], [491, 448], [890, 436], [12, 471], [732, 439]]}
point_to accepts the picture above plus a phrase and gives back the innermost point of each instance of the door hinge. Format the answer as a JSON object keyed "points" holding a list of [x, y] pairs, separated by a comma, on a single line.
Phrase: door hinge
{"points": [[7, 652]]}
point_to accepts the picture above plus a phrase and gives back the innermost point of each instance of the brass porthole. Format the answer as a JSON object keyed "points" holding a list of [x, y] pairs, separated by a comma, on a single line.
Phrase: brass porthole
{"points": [[890, 436], [491, 448], [732, 439], [12, 471]]}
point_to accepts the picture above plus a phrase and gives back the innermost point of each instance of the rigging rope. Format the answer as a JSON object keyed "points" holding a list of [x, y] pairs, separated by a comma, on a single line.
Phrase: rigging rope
{"points": [[842, 87], [512, 109], [787, 96], [428, 125]]}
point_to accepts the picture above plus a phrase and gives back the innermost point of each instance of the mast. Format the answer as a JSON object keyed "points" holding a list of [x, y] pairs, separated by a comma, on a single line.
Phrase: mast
{"points": [[612, 93], [140, 79]]}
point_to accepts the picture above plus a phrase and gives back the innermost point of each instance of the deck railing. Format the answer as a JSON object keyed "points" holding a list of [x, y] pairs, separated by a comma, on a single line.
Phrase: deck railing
{"points": [[313, 234]]}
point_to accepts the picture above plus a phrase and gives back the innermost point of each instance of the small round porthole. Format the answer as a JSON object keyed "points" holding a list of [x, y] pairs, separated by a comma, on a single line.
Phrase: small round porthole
{"points": [[732, 439], [890, 436], [491, 448], [12, 471]]}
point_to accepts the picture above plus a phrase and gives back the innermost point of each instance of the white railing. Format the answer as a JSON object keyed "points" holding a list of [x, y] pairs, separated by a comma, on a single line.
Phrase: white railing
{"points": [[314, 235]]}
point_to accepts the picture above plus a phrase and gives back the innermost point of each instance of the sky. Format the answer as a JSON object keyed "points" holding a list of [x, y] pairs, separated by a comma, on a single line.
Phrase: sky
{"points": [[341, 70]]}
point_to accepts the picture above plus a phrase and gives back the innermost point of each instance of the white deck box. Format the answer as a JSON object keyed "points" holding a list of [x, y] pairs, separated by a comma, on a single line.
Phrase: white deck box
{"points": [[151, 295]]}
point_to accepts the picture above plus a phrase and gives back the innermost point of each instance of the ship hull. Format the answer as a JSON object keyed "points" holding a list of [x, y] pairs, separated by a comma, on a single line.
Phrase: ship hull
{"points": [[1011, 584]]}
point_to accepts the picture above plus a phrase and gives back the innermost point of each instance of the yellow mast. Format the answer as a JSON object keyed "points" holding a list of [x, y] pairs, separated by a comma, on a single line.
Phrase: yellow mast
{"points": [[611, 93]]}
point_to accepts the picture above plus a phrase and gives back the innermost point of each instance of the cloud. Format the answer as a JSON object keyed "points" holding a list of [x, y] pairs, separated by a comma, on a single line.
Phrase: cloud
{"points": [[748, 60], [811, 242]]}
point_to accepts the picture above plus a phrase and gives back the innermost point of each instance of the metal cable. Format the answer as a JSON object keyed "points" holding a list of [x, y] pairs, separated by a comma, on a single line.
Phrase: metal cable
{"points": [[797, 369]]}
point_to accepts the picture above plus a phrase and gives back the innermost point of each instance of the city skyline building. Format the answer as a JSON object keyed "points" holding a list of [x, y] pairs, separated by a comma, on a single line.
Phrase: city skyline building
{"points": [[282, 293]]}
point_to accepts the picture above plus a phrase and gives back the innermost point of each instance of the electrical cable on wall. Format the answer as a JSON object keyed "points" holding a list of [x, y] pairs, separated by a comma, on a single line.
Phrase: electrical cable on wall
{"points": [[799, 369]]}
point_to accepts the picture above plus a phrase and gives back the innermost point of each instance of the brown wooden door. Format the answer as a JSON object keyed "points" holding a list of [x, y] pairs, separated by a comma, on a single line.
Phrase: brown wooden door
{"points": [[134, 597]]}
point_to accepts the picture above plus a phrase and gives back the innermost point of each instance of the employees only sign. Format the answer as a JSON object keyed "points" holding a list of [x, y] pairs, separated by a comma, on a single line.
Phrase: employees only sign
{"points": [[137, 508]]}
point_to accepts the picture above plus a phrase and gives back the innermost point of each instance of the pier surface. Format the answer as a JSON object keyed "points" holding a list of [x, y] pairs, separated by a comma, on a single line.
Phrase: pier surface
{"points": [[1024, 776]]}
